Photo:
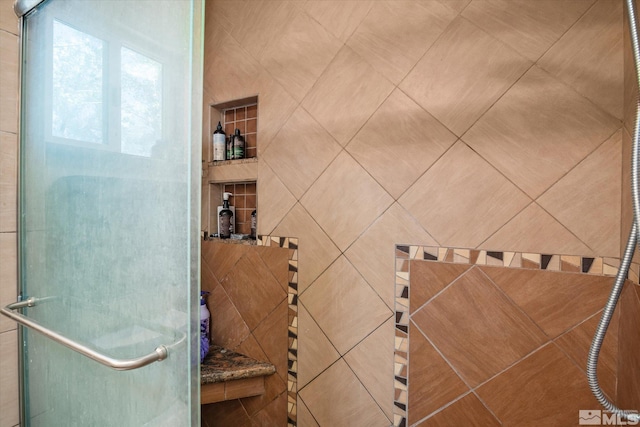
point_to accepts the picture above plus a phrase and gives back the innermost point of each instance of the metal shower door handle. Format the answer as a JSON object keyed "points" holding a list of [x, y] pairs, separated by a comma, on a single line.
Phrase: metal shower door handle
{"points": [[160, 353]]}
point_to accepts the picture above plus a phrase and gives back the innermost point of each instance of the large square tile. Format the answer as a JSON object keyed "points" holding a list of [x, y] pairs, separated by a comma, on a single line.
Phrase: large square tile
{"points": [[446, 81], [347, 405], [432, 382], [588, 199], [345, 200], [477, 328], [589, 56], [427, 278], [316, 250], [529, 27], [399, 143], [9, 82], [461, 200], [546, 388], [344, 305], [545, 295], [468, 411], [316, 353], [299, 54], [301, 150], [373, 253], [346, 95], [9, 398], [533, 138], [339, 17], [372, 362], [394, 35]]}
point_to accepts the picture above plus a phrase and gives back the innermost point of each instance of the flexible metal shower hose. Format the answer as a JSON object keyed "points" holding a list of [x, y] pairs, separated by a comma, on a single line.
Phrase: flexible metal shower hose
{"points": [[596, 344]]}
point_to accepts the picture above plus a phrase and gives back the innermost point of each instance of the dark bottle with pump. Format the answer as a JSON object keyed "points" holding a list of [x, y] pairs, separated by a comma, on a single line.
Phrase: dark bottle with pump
{"points": [[238, 145], [219, 144], [254, 222], [225, 219]]}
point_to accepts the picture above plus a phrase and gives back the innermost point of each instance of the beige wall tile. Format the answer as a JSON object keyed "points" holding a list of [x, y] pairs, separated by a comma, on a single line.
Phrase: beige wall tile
{"points": [[8, 19], [274, 200], [348, 404], [534, 230], [9, 82], [303, 149], [372, 362], [299, 54], [394, 35], [340, 17], [9, 405], [533, 138], [8, 181], [455, 5], [304, 415], [399, 143], [589, 56], [345, 307], [588, 199], [320, 251], [8, 276], [346, 94], [345, 200], [461, 200], [445, 81], [529, 27], [318, 352], [371, 253]]}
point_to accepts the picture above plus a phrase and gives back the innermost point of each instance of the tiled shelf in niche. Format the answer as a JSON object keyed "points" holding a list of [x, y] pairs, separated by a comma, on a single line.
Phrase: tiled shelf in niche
{"points": [[244, 200], [239, 114]]}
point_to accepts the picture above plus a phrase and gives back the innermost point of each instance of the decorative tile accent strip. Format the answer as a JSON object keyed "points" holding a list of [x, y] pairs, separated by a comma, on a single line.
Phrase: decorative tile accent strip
{"points": [[404, 253], [290, 243]]}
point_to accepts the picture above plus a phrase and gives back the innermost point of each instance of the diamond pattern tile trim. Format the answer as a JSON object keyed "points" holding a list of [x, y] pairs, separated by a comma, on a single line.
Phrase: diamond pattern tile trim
{"points": [[404, 253], [292, 375]]}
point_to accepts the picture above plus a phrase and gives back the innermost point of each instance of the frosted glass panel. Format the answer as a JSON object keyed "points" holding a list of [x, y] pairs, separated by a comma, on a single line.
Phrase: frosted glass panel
{"points": [[77, 86], [141, 112], [109, 198]]}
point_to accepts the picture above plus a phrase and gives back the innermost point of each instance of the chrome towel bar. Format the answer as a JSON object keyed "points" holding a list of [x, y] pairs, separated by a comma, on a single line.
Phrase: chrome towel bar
{"points": [[160, 353]]}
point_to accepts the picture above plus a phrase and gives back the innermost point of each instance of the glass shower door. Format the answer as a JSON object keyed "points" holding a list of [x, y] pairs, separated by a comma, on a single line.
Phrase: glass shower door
{"points": [[109, 206]]}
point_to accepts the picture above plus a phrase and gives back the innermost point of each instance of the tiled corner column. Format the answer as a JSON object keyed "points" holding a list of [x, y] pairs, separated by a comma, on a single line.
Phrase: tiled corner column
{"points": [[292, 383], [532, 261], [9, 58]]}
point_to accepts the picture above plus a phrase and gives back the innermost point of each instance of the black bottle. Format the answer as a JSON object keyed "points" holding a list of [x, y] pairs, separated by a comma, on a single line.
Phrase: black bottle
{"points": [[225, 219], [238, 145]]}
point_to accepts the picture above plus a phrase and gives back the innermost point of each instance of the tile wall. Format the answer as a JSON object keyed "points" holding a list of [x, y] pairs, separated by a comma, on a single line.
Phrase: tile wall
{"points": [[503, 337], [459, 123], [8, 195], [253, 312]]}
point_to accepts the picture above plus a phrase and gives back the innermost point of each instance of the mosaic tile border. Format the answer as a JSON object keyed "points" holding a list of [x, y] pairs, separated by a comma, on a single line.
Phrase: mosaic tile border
{"points": [[292, 375], [404, 253]]}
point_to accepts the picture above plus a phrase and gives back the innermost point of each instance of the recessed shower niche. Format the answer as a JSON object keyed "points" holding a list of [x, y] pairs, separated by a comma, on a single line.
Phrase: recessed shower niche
{"points": [[237, 176]]}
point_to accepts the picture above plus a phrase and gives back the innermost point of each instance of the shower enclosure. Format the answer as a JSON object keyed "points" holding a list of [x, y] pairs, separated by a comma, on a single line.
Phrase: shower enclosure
{"points": [[109, 199]]}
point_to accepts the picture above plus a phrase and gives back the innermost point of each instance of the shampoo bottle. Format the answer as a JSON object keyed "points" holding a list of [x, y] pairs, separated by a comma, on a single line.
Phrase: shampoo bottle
{"points": [[205, 319], [219, 144], [238, 145], [225, 217]]}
